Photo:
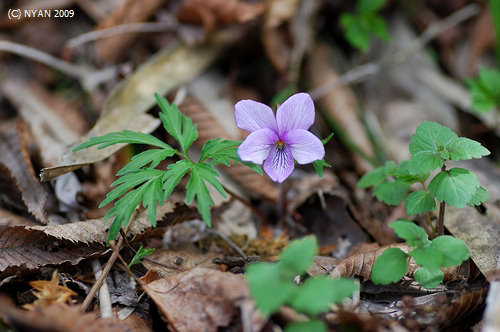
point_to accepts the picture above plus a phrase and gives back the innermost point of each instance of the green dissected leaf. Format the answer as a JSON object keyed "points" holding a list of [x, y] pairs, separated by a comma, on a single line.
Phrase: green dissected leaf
{"points": [[391, 192], [455, 187], [378, 26], [429, 278], [197, 187], [173, 176], [139, 255], [177, 124], [297, 256], [424, 161], [357, 30], [268, 289], [221, 151], [414, 235], [315, 325], [390, 267], [148, 191], [427, 257], [378, 175], [370, 6], [480, 196], [318, 166], [453, 250], [125, 136], [154, 156], [126, 205], [317, 294], [463, 148], [419, 202]]}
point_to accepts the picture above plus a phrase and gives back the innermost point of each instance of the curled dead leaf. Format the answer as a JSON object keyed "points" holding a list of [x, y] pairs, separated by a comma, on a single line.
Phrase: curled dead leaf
{"points": [[211, 13], [15, 159], [49, 293]]}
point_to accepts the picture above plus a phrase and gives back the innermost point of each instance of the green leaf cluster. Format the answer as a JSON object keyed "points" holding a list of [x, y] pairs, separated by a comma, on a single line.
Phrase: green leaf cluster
{"points": [[321, 163], [431, 146], [359, 27], [140, 255], [140, 181], [271, 285], [485, 90], [431, 256]]}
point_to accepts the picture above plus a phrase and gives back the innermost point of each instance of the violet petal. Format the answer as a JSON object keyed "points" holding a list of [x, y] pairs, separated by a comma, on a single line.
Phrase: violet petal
{"points": [[255, 147], [297, 112], [251, 115], [279, 164], [306, 147]]}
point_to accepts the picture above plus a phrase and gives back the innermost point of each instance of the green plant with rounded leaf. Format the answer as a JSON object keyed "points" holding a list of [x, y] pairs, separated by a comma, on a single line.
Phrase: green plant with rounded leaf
{"points": [[271, 285], [442, 252], [431, 147], [360, 26], [485, 92]]}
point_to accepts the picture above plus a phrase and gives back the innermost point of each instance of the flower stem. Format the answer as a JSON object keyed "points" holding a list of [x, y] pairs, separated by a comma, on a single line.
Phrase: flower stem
{"points": [[442, 207], [250, 206]]}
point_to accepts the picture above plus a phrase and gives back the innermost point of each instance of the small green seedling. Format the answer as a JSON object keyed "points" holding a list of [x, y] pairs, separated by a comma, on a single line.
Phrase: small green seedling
{"points": [[360, 27], [139, 255], [431, 147], [271, 285], [140, 181], [442, 252], [485, 91]]}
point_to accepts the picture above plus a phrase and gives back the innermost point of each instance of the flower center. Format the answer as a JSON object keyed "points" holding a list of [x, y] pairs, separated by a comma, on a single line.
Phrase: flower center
{"points": [[281, 144]]}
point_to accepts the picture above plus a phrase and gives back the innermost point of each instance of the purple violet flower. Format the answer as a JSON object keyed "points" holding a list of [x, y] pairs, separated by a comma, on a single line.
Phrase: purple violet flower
{"points": [[281, 139]]}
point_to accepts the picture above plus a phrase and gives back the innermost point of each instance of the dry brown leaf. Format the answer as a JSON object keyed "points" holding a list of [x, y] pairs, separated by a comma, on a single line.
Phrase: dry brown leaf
{"points": [[61, 318], [112, 48], [275, 36], [459, 308], [361, 264], [49, 293], [14, 158], [127, 104], [211, 13], [339, 104], [166, 261], [209, 128], [30, 247], [8, 218], [200, 299], [482, 39], [52, 130]]}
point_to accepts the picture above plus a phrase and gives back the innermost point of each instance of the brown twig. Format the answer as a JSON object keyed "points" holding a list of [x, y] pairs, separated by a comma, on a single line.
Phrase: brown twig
{"points": [[105, 271], [89, 78]]}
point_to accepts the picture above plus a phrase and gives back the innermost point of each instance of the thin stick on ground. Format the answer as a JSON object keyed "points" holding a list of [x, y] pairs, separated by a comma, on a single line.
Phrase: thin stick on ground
{"points": [[105, 271], [89, 78]]}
